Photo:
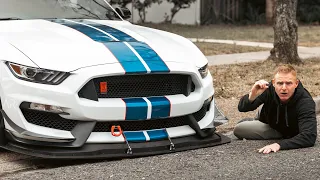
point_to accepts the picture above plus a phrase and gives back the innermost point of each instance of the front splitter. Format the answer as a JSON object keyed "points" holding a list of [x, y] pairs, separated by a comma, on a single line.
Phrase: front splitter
{"points": [[118, 150]]}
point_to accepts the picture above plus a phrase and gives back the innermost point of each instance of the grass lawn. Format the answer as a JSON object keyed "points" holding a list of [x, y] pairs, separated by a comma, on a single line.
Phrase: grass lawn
{"points": [[308, 35]]}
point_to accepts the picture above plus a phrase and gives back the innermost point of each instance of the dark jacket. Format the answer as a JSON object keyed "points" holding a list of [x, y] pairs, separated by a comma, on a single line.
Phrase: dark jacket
{"points": [[296, 120]]}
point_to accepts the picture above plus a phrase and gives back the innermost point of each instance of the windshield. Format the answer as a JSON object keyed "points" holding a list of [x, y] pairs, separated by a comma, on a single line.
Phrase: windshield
{"points": [[56, 9]]}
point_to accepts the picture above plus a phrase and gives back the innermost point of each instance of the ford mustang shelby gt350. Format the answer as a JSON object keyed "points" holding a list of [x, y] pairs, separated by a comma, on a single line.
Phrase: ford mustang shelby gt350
{"points": [[80, 81]]}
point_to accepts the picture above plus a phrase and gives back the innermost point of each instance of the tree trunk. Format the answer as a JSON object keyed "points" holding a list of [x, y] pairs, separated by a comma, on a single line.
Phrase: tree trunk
{"points": [[269, 11], [142, 15], [174, 11], [285, 27]]}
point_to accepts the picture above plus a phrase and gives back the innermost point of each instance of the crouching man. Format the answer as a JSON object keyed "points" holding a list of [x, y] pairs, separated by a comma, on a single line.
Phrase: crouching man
{"points": [[288, 112]]}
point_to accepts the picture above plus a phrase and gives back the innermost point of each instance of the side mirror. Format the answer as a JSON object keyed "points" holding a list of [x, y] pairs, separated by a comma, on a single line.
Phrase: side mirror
{"points": [[124, 12]]}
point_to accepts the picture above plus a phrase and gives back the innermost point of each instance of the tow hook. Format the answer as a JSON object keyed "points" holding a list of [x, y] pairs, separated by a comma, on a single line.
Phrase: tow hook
{"points": [[117, 131]]}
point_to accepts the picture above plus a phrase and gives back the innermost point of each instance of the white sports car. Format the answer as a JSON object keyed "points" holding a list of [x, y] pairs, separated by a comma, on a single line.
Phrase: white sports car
{"points": [[79, 81]]}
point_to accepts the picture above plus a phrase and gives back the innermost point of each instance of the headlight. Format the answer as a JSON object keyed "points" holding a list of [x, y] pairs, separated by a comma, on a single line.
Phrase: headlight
{"points": [[37, 75], [203, 71]]}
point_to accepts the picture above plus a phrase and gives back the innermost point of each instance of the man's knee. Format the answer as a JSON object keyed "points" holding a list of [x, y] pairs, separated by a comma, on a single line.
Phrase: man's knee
{"points": [[255, 130], [241, 130], [237, 132]]}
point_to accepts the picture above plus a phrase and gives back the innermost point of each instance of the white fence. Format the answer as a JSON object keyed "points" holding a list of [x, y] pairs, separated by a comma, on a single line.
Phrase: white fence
{"points": [[156, 13]]}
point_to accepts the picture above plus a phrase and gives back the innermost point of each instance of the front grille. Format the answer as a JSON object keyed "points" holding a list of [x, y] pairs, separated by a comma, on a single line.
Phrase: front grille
{"points": [[55, 121], [141, 125], [146, 85]]}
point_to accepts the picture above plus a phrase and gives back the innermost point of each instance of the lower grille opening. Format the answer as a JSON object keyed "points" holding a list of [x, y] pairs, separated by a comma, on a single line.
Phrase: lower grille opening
{"points": [[141, 125], [47, 119], [55, 121]]}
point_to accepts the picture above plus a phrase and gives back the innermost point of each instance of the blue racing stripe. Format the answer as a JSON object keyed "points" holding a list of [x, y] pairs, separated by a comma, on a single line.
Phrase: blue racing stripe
{"points": [[157, 134], [121, 36], [136, 109], [132, 136], [129, 61], [152, 59], [88, 31], [160, 107]]}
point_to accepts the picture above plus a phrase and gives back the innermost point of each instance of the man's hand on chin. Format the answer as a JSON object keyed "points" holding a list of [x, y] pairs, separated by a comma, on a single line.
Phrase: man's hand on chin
{"points": [[270, 148]]}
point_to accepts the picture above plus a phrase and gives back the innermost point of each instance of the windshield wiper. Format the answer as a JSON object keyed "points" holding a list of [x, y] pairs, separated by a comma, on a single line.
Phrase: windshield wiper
{"points": [[9, 18]]}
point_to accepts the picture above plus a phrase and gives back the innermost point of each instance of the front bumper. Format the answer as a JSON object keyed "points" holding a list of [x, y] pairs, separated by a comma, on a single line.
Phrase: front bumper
{"points": [[82, 140]]}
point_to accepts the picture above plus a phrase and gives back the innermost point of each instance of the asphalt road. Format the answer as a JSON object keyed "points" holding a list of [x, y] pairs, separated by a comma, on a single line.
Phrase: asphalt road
{"points": [[236, 160]]}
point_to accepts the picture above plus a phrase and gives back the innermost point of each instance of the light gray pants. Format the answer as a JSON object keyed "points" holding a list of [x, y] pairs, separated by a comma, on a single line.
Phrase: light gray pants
{"points": [[254, 129]]}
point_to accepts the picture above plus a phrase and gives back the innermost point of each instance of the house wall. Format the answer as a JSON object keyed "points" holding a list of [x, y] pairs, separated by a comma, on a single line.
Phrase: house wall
{"points": [[156, 13]]}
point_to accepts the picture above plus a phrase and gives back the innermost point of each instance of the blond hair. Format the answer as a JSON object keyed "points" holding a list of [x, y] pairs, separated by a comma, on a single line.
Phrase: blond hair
{"points": [[286, 68]]}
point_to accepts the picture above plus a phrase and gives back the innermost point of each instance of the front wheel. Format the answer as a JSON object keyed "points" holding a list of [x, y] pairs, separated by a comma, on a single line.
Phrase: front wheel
{"points": [[3, 139]]}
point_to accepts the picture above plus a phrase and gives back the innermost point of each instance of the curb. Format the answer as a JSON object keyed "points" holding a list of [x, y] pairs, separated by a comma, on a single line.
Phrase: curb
{"points": [[237, 42]]}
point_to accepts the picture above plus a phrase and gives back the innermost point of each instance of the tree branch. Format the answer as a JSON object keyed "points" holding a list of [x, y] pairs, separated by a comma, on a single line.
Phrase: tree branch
{"points": [[83, 8]]}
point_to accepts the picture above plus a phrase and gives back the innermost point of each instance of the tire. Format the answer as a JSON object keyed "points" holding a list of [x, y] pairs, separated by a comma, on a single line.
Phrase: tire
{"points": [[3, 139]]}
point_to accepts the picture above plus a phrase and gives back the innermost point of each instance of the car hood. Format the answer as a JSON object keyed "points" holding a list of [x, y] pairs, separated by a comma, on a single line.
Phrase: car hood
{"points": [[67, 45]]}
